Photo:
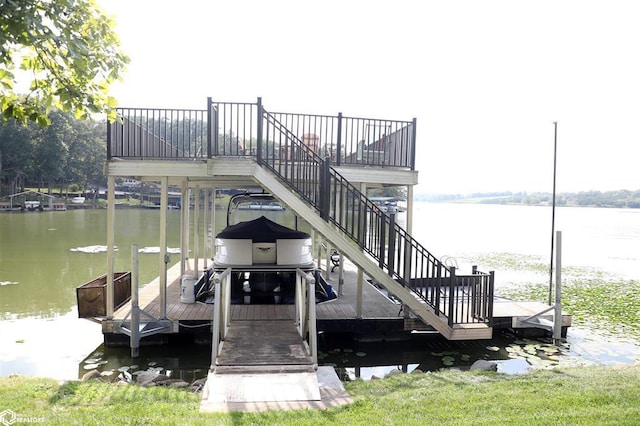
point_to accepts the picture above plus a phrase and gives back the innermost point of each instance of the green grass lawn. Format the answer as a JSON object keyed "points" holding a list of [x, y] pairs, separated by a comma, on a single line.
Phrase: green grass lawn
{"points": [[587, 395]]}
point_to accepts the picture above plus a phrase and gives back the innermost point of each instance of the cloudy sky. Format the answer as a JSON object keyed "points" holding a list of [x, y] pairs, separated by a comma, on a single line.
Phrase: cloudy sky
{"points": [[485, 79]]}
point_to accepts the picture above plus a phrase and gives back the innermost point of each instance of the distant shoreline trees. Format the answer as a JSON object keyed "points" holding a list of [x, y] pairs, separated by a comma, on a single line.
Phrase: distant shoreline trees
{"points": [[67, 152], [614, 199]]}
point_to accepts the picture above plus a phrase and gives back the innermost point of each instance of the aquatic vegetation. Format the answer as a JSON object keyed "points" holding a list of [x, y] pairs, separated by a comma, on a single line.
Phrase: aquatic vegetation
{"points": [[506, 261], [609, 305]]}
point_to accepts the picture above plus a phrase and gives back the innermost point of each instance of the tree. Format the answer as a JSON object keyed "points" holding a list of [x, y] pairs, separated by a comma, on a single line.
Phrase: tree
{"points": [[16, 146], [67, 53]]}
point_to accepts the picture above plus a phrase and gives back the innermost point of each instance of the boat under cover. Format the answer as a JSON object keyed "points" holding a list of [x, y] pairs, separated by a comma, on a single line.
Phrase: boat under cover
{"points": [[262, 242]]}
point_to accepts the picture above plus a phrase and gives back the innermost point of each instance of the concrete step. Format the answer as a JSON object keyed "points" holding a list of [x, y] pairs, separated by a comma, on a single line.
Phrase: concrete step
{"points": [[245, 393], [262, 387]]}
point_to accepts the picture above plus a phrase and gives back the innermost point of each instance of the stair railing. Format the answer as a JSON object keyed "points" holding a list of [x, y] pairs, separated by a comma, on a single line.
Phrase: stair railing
{"points": [[376, 233]]}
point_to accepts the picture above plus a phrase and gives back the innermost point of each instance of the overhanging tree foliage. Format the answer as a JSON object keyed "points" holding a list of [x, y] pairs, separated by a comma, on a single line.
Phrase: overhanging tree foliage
{"points": [[56, 54]]}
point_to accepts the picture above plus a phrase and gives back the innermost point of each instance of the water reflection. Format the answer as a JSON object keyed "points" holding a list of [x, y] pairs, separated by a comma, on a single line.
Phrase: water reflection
{"points": [[185, 361], [188, 361]]}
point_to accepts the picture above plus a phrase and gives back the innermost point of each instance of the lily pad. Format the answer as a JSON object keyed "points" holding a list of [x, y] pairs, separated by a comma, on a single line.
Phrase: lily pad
{"points": [[448, 360]]}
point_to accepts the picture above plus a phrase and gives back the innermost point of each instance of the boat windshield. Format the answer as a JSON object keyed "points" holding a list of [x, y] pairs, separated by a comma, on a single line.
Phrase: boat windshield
{"points": [[248, 206]]}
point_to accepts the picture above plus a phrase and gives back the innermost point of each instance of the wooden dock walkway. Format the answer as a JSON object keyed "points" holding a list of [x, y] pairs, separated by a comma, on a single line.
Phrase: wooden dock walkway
{"points": [[375, 304], [381, 318]]}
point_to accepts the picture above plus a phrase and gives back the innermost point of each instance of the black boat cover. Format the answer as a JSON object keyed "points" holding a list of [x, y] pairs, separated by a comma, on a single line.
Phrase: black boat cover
{"points": [[261, 230]]}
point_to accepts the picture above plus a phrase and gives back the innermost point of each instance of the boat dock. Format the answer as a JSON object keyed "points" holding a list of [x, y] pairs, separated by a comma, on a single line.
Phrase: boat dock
{"points": [[320, 168], [377, 319]]}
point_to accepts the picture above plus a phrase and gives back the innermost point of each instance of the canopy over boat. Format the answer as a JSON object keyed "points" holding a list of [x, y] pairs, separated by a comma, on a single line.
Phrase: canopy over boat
{"points": [[261, 230]]}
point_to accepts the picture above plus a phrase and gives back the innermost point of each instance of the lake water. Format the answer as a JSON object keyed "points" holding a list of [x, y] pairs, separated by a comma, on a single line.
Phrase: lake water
{"points": [[44, 256]]}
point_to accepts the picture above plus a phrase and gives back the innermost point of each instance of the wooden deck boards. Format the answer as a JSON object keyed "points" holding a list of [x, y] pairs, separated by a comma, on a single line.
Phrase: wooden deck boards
{"points": [[259, 343], [375, 305]]}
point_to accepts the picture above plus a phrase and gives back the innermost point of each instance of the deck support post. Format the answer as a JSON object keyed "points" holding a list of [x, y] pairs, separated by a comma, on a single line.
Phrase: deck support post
{"points": [[311, 318], [359, 289], [341, 276], [164, 259], [184, 242], [557, 317], [134, 338], [111, 211], [451, 293], [327, 262], [217, 313], [205, 234], [213, 223], [196, 230]]}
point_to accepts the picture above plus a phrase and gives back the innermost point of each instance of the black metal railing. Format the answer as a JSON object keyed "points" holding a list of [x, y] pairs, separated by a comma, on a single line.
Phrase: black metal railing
{"points": [[460, 300], [353, 141], [232, 129], [145, 133]]}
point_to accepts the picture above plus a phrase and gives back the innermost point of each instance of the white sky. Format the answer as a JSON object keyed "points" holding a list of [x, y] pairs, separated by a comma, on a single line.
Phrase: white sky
{"points": [[485, 79]]}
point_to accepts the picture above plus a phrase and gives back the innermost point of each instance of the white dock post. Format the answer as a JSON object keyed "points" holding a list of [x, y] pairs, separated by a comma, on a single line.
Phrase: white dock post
{"points": [[359, 290], [557, 317], [217, 316], [111, 211], [196, 231], [327, 263], [135, 309], [164, 258], [311, 318], [341, 276], [184, 228], [205, 231], [213, 223]]}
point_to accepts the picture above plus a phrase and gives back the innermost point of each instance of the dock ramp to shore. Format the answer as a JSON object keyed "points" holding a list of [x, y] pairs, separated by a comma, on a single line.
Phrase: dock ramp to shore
{"points": [[266, 365], [263, 363]]}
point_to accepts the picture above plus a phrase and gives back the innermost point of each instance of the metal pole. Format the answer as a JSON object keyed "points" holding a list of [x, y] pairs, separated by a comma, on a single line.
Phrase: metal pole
{"points": [[557, 317], [553, 205]]}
